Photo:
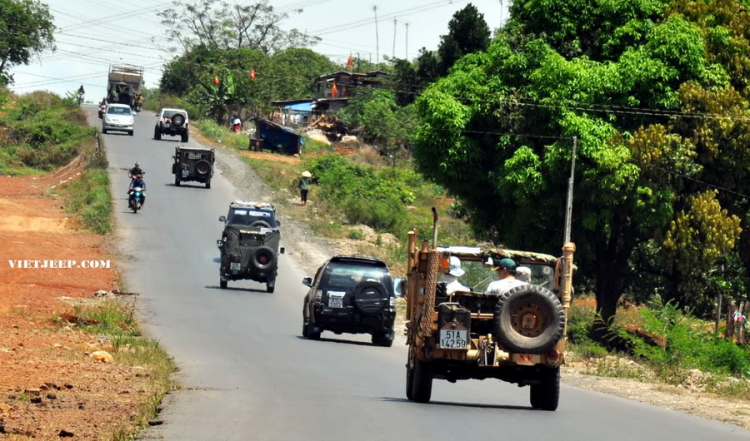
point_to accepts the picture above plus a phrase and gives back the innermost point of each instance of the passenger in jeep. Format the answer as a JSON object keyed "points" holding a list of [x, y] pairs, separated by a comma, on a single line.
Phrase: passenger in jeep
{"points": [[506, 274]]}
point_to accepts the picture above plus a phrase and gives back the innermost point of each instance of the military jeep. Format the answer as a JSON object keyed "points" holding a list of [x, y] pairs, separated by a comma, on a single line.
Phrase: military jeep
{"points": [[517, 336], [249, 244], [193, 164]]}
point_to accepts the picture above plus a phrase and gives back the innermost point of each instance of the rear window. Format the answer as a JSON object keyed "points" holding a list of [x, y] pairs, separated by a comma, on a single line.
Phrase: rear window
{"points": [[246, 216], [119, 111], [344, 276], [168, 113]]}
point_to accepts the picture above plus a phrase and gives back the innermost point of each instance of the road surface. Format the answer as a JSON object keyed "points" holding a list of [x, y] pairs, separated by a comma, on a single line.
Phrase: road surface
{"points": [[249, 374]]}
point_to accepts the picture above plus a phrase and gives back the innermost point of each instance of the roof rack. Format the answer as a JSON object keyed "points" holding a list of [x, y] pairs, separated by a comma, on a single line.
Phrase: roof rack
{"points": [[253, 204]]}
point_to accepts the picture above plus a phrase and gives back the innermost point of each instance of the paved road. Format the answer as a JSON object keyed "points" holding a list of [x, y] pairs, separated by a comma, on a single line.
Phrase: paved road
{"points": [[252, 377]]}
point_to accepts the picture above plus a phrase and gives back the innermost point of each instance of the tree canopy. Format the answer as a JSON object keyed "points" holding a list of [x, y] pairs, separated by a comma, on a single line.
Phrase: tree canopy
{"points": [[26, 29], [661, 114], [224, 25]]}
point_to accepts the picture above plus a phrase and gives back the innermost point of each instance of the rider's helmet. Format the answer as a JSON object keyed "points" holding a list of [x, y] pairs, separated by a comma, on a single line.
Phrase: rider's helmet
{"points": [[137, 164]]}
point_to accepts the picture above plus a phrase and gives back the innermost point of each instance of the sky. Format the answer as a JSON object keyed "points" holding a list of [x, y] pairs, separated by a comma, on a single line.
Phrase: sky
{"points": [[92, 34]]}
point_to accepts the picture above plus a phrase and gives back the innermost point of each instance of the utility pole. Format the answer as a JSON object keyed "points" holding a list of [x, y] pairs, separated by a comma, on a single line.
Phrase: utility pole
{"points": [[377, 38], [393, 52], [718, 305], [569, 202], [358, 69], [407, 40]]}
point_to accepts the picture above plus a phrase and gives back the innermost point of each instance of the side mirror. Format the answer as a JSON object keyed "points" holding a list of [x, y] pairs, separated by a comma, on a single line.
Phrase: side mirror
{"points": [[307, 281], [278, 223], [399, 287], [281, 251], [219, 243], [222, 218]]}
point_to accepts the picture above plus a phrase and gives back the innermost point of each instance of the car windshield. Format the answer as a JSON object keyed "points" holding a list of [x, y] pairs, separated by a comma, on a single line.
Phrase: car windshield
{"points": [[339, 275], [477, 276], [119, 111], [246, 216]]}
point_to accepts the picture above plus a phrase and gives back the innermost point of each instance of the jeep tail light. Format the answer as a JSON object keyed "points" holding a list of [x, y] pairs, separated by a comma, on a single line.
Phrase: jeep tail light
{"points": [[392, 302], [318, 296], [552, 356]]}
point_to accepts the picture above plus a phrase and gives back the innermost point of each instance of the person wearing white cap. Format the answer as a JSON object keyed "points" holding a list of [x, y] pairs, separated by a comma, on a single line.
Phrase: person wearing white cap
{"points": [[523, 273], [451, 279]]}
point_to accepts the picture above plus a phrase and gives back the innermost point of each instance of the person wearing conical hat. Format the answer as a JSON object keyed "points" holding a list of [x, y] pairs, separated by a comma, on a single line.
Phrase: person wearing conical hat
{"points": [[304, 185]]}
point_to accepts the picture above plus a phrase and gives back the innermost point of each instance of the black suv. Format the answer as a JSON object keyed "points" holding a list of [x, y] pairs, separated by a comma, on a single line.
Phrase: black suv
{"points": [[249, 244], [350, 294]]}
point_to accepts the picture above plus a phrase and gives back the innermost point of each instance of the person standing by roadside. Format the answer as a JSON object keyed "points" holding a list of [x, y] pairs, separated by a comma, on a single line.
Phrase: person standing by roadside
{"points": [[304, 185]]}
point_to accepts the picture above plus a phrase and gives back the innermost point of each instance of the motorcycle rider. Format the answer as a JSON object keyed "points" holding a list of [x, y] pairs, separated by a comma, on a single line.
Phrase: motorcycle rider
{"points": [[134, 172], [137, 182], [235, 123]]}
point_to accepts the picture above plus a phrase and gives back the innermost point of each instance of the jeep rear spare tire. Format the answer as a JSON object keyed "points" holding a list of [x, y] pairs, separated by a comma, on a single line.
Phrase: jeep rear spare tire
{"points": [[263, 258], [178, 120], [202, 167], [370, 297], [528, 319]]}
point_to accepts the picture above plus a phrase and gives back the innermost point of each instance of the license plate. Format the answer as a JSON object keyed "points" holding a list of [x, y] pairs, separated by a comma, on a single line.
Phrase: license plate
{"points": [[234, 266], [453, 338], [185, 173], [335, 299]]}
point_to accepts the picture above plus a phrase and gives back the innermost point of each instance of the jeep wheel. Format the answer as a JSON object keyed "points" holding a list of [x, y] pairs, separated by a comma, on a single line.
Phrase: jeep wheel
{"points": [[208, 184], [130, 133], [270, 285], [546, 394], [263, 258], [311, 334], [409, 383], [422, 381], [383, 339], [104, 131], [177, 180], [528, 319], [222, 283], [185, 136], [157, 134], [202, 167], [178, 120]]}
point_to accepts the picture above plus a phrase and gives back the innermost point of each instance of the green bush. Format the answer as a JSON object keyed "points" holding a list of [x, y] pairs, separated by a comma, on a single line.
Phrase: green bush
{"points": [[688, 344], [41, 132], [366, 195]]}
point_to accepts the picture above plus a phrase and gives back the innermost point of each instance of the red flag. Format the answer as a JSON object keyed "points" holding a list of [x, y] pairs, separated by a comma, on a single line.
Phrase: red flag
{"points": [[252, 74], [216, 80], [334, 90], [350, 62]]}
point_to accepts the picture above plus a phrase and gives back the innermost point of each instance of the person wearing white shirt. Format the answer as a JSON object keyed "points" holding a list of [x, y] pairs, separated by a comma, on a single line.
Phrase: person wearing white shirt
{"points": [[506, 277], [451, 279]]}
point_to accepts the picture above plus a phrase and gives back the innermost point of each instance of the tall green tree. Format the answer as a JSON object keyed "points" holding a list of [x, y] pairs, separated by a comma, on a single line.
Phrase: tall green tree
{"points": [[502, 122], [230, 25], [467, 33], [26, 29]]}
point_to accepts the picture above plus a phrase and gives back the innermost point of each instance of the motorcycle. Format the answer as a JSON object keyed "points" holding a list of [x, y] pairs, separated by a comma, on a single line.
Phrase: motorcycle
{"points": [[136, 199]]}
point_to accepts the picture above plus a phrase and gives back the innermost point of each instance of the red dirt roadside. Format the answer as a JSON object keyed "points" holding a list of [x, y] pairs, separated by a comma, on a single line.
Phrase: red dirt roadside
{"points": [[49, 386]]}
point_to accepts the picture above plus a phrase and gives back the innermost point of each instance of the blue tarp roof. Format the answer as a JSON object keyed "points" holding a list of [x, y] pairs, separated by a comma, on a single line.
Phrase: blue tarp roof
{"points": [[276, 137], [300, 107]]}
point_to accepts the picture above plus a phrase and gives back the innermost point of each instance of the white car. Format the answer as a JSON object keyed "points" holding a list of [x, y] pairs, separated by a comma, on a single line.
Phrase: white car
{"points": [[118, 117]]}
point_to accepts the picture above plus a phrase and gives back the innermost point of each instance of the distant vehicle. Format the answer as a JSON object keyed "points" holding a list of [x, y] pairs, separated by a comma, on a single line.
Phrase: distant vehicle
{"points": [[249, 244], [350, 294], [124, 83], [172, 122], [193, 164], [118, 117]]}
